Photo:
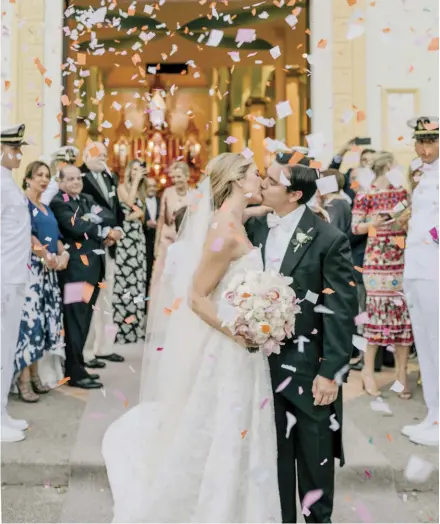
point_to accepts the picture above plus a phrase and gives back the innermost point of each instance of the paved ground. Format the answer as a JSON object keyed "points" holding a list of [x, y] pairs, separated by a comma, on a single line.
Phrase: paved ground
{"points": [[57, 473]]}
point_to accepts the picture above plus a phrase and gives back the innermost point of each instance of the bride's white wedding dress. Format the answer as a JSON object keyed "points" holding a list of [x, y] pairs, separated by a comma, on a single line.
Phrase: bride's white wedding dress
{"points": [[203, 447]]}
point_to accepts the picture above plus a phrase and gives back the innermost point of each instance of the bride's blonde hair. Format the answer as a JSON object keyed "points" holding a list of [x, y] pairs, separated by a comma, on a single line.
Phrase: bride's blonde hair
{"points": [[223, 170]]}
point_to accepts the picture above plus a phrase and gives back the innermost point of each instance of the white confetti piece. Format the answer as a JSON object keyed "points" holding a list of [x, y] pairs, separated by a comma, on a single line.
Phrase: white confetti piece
{"points": [[148, 9], [324, 462], [322, 309], [292, 20], [312, 297], [231, 140], [355, 31], [334, 424], [290, 368], [131, 369], [300, 390], [247, 153], [248, 195], [416, 164], [365, 177], [360, 342], [215, 37], [396, 177], [284, 180], [275, 52], [99, 251], [316, 143], [291, 421], [301, 340], [245, 35], [283, 109], [327, 184], [339, 375], [264, 15], [235, 56], [418, 470], [380, 406], [397, 387]]}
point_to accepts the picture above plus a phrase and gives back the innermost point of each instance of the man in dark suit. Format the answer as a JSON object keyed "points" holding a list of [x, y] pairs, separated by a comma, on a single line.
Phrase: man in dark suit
{"points": [[317, 256], [101, 185], [152, 210], [84, 228]]}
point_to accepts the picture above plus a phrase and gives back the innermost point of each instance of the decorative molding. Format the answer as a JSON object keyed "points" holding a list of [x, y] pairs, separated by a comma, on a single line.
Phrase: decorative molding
{"points": [[257, 101]]}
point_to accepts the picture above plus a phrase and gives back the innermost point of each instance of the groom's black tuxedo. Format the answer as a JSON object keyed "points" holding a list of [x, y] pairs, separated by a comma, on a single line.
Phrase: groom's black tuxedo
{"points": [[321, 263]]}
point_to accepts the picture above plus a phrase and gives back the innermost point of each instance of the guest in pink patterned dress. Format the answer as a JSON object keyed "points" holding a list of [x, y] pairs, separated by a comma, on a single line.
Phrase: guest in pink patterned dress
{"points": [[388, 321]]}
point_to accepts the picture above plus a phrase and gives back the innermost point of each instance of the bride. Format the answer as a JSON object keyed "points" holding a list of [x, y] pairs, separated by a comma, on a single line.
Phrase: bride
{"points": [[201, 444]]}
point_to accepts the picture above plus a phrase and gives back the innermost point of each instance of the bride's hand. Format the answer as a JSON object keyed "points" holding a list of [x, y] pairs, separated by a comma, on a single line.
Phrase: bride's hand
{"points": [[244, 342]]}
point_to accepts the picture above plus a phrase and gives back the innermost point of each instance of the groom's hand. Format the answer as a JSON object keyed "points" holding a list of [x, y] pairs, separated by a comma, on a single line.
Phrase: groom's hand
{"points": [[324, 391]]}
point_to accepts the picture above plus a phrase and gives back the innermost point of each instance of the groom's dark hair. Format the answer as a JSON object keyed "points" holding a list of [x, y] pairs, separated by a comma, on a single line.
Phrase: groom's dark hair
{"points": [[301, 178]]}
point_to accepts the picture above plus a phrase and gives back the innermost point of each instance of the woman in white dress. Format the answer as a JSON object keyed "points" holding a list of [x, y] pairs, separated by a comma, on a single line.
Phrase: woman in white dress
{"points": [[201, 445]]}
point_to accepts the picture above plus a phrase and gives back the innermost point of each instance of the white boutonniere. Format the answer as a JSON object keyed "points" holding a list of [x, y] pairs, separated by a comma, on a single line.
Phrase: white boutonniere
{"points": [[300, 240]]}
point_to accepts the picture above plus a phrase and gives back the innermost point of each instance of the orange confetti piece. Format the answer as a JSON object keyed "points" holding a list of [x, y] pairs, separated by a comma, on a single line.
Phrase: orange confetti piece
{"points": [[351, 2], [399, 241], [65, 100], [131, 11], [243, 433], [40, 66], [176, 303], [81, 58], [7, 85], [386, 30], [125, 404], [372, 231], [322, 44], [352, 284], [360, 116], [308, 32], [94, 151], [130, 319], [48, 82], [167, 311], [136, 59], [295, 158], [400, 138], [102, 285], [355, 185], [314, 164], [63, 381], [84, 259], [433, 44], [389, 437], [265, 328], [88, 290], [360, 269], [78, 245], [328, 291]]}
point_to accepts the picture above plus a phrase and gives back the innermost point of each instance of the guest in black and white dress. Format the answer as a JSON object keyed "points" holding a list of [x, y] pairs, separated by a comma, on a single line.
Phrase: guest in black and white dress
{"points": [[131, 260], [152, 203]]}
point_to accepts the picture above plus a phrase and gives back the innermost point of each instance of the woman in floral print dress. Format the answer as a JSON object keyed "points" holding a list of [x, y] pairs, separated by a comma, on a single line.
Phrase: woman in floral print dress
{"points": [[388, 322]]}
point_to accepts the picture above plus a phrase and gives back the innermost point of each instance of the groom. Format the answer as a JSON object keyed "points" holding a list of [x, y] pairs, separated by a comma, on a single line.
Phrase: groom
{"points": [[317, 256]]}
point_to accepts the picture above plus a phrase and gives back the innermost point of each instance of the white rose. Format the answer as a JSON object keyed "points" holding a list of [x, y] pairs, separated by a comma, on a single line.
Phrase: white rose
{"points": [[301, 237]]}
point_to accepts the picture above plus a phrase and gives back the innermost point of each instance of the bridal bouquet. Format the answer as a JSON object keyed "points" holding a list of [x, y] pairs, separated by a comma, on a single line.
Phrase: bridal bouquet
{"points": [[261, 306]]}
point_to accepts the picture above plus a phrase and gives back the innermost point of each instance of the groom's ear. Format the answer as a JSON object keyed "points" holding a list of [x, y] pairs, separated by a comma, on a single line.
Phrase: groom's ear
{"points": [[294, 196]]}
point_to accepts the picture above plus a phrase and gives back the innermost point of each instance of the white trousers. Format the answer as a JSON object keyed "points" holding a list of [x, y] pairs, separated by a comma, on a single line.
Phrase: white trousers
{"points": [[12, 301], [422, 298], [102, 331]]}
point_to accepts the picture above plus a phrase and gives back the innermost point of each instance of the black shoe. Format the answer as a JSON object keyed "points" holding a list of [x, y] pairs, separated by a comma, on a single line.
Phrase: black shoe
{"points": [[85, 383], [94, 364], [113, 357], [93, 376], [357, 366]]}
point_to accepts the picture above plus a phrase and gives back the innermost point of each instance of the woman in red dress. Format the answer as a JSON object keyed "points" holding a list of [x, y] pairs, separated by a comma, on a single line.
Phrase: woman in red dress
{"points": [[388, 322]]}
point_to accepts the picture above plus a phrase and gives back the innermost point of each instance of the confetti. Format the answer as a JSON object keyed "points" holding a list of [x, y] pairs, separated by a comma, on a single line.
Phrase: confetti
{"points": [[243, 433], [380, 406], [231, 140], [73, 292], [63, 381], [40, 66], [397, 387], [367, 474], [334, 424], [263, 404], [327, 184], [322, 44], [360, 342], [245, 35], [322, 309], [300, 390], [215, 37], [283, 384], [291, 421], [418, 470], [358, 269], [217, 245], [283, 109], [84, 259], [324, 462], [309, 499], [290, 368], [362, 318], [275, 52], [295, 158], [433, 44], [130, 319], [247, 153], [311, 297], [284, 180], [396, 177]]}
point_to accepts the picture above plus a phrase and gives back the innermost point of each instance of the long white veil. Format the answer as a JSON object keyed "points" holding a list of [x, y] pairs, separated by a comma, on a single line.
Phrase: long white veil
{"points": [[169, 354]]}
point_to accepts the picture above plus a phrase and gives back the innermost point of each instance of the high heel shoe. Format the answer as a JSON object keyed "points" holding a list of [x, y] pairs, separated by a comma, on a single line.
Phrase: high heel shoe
{"points": [[401, 376], [369, 385], [26, 392], [38, 386]]}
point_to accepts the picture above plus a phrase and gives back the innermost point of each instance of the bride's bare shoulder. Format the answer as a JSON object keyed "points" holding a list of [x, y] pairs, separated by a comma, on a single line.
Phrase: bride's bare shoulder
{"points": [[223, 234]]}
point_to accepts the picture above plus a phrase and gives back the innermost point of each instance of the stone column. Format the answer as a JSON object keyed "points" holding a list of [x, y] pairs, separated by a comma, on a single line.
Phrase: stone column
{"points": [[237, 129], [293, 132], [9, 41], [214, 114], [257, 132], [281, 91]]}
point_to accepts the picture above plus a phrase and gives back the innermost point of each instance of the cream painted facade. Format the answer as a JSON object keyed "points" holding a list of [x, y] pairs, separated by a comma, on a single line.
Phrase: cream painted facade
{"points": [[365, 87]]}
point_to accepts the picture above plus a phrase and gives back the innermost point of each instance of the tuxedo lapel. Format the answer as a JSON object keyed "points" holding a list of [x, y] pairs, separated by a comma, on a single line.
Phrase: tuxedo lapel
{"points": [[260, 236], [296, 250]]}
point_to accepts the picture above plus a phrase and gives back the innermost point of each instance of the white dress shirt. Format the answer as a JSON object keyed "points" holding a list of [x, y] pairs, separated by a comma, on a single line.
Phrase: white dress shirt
{"points": [[15, 244], [151, 203], [51, 190], [279, 238], [422, 253], [99, 177]]}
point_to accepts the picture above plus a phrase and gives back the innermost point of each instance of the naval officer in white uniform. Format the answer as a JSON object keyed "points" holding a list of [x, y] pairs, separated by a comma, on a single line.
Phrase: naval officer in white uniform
{"points": [[421, 276], [15, 249]]}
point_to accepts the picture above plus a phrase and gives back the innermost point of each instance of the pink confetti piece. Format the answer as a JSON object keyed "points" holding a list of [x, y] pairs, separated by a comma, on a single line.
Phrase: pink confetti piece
{"points": [[217, 245], [65, 197], [73, 292], [283, 384], [362, 318], [367, 474], [300, 390], [314, 332], [309, 499], [119, 395], [434, 234], [159, 349], [231, 140], [264, 403], [363, 513]]}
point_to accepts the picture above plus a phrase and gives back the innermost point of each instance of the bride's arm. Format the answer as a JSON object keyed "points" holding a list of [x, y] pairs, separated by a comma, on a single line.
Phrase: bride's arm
{"points": [[211, 270], [256, 211]]}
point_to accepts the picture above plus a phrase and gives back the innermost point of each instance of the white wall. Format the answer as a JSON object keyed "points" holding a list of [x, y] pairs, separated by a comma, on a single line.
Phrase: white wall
{"points": [[390, 56]]}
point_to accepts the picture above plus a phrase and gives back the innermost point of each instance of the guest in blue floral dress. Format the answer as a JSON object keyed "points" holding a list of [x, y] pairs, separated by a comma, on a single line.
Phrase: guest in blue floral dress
{"points": [[41, 328]]}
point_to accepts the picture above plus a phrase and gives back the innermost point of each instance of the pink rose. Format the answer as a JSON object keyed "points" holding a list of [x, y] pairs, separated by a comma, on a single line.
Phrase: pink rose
{"points": [[230, 297], [271, 346]]}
